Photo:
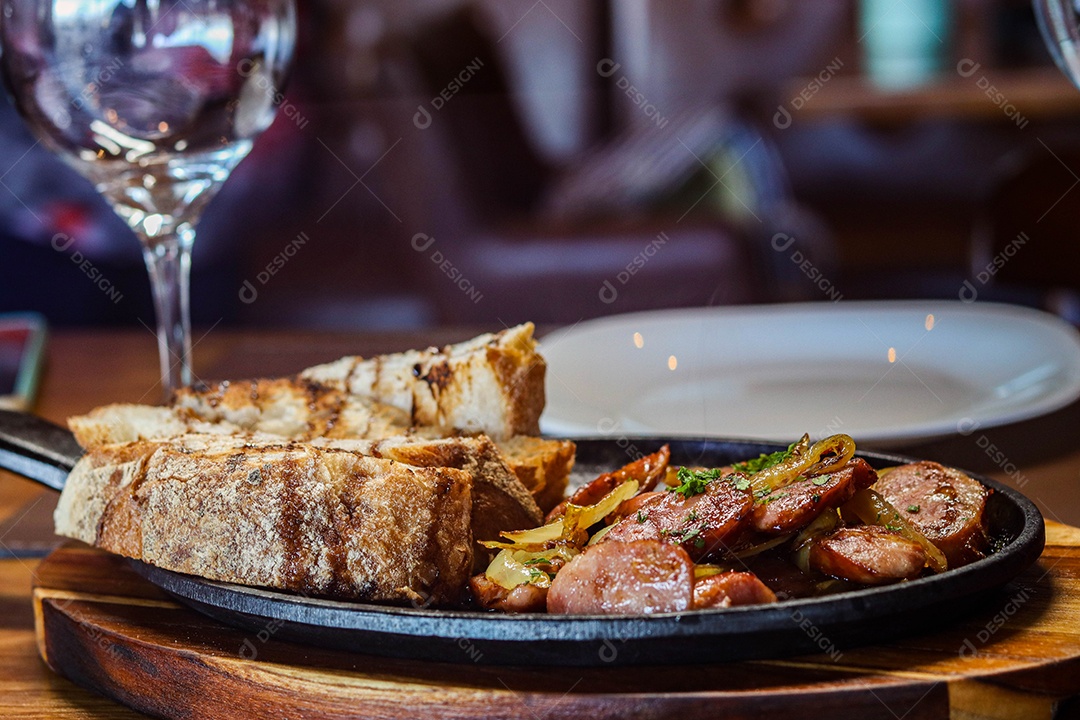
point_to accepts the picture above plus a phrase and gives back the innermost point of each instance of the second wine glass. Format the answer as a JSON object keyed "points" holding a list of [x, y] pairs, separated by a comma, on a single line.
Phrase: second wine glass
{"points": [[155, 102], [1059, 21]]}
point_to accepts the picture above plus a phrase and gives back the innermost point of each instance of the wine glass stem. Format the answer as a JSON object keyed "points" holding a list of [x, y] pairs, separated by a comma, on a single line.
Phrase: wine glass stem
{"points": [[169, 261]]}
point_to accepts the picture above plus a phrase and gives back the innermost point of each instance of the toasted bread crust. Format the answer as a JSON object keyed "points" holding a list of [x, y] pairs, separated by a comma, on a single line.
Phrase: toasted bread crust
{"points": [[283, 407], [543, 465], [293, 517], [492, 384], [500, 500], [339, 481]]}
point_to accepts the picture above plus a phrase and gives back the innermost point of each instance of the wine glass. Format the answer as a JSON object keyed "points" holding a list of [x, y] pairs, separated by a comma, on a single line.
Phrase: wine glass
{"points": [[1059, 21], [155, 102]]}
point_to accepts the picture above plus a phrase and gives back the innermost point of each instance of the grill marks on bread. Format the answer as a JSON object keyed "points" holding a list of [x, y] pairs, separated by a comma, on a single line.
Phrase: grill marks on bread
{"points": [[339, 481], [292, 407], [320, 521], [492, 384]]}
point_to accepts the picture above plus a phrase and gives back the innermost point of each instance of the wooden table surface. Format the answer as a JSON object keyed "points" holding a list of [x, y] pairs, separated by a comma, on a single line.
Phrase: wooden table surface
{"points": [[84, 369]]}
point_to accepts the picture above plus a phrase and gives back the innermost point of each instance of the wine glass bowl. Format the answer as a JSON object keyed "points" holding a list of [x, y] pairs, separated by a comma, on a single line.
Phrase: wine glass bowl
{"points": [[155, 102], [1059, 21]]}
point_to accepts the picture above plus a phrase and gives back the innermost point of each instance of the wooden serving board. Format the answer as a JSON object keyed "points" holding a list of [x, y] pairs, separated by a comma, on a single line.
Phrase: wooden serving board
{"points": [[1017, 655]]}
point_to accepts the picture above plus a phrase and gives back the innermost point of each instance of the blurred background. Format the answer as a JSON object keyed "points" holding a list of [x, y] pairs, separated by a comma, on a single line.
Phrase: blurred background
{"points": [[439, 161]]}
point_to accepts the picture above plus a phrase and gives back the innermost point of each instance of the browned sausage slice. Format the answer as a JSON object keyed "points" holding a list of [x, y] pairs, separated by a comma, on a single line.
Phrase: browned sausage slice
{"points": [[795, 506], [943, 504], [631, 507], [730, 589], [702, 524], [646, 470], [492, 596], [624, 578], [869, 554]]}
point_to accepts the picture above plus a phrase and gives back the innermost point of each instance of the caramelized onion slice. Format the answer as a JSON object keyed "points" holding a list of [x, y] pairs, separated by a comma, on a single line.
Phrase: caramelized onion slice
{"points": [[873, 509], [806, 460], [704, 570], [824, 523], [511, 568], [577, 518], [762, 547]]}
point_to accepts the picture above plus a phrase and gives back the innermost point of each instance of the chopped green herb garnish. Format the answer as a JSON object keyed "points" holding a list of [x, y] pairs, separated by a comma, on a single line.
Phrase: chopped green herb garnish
{"points": [[762, 492], [691, 533], [642, 516], [691, 516], [913, 508], [699, 543], [893, 528], [535, 574], [821, 479], [742, 483], [537, 561], [815, 498], [693, 482], [763, 461]]}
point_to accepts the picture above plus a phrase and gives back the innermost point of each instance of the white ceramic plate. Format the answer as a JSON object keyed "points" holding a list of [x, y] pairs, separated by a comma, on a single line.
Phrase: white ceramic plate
{"points": [[885, 373]]}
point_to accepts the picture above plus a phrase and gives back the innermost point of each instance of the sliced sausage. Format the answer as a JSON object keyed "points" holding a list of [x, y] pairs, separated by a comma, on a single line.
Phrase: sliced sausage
{"points": [[702, 524], [624, 578], [869, 554], [795, 506], [730, 589], [636, 504], [943, 504], [492, 596]]}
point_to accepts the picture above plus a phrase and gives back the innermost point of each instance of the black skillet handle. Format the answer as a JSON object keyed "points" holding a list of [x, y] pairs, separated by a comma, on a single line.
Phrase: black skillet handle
{"points": [[37, 449]]}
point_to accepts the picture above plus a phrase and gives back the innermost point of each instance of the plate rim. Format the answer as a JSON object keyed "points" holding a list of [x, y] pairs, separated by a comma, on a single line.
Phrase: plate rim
{"points": [[917, 432]]}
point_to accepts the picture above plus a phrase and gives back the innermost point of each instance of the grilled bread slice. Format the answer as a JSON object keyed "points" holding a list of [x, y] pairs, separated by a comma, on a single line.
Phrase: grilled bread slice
{"points": [[250, 408], [492, 384], [309, 483], [281, 407], [125, 423], [499, 499], [313, 520], [292, 408], [543, 465]]}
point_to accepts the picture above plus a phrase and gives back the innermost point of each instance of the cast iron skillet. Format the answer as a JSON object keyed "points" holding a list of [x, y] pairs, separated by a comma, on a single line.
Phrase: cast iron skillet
{"points": [[45, 452]]}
